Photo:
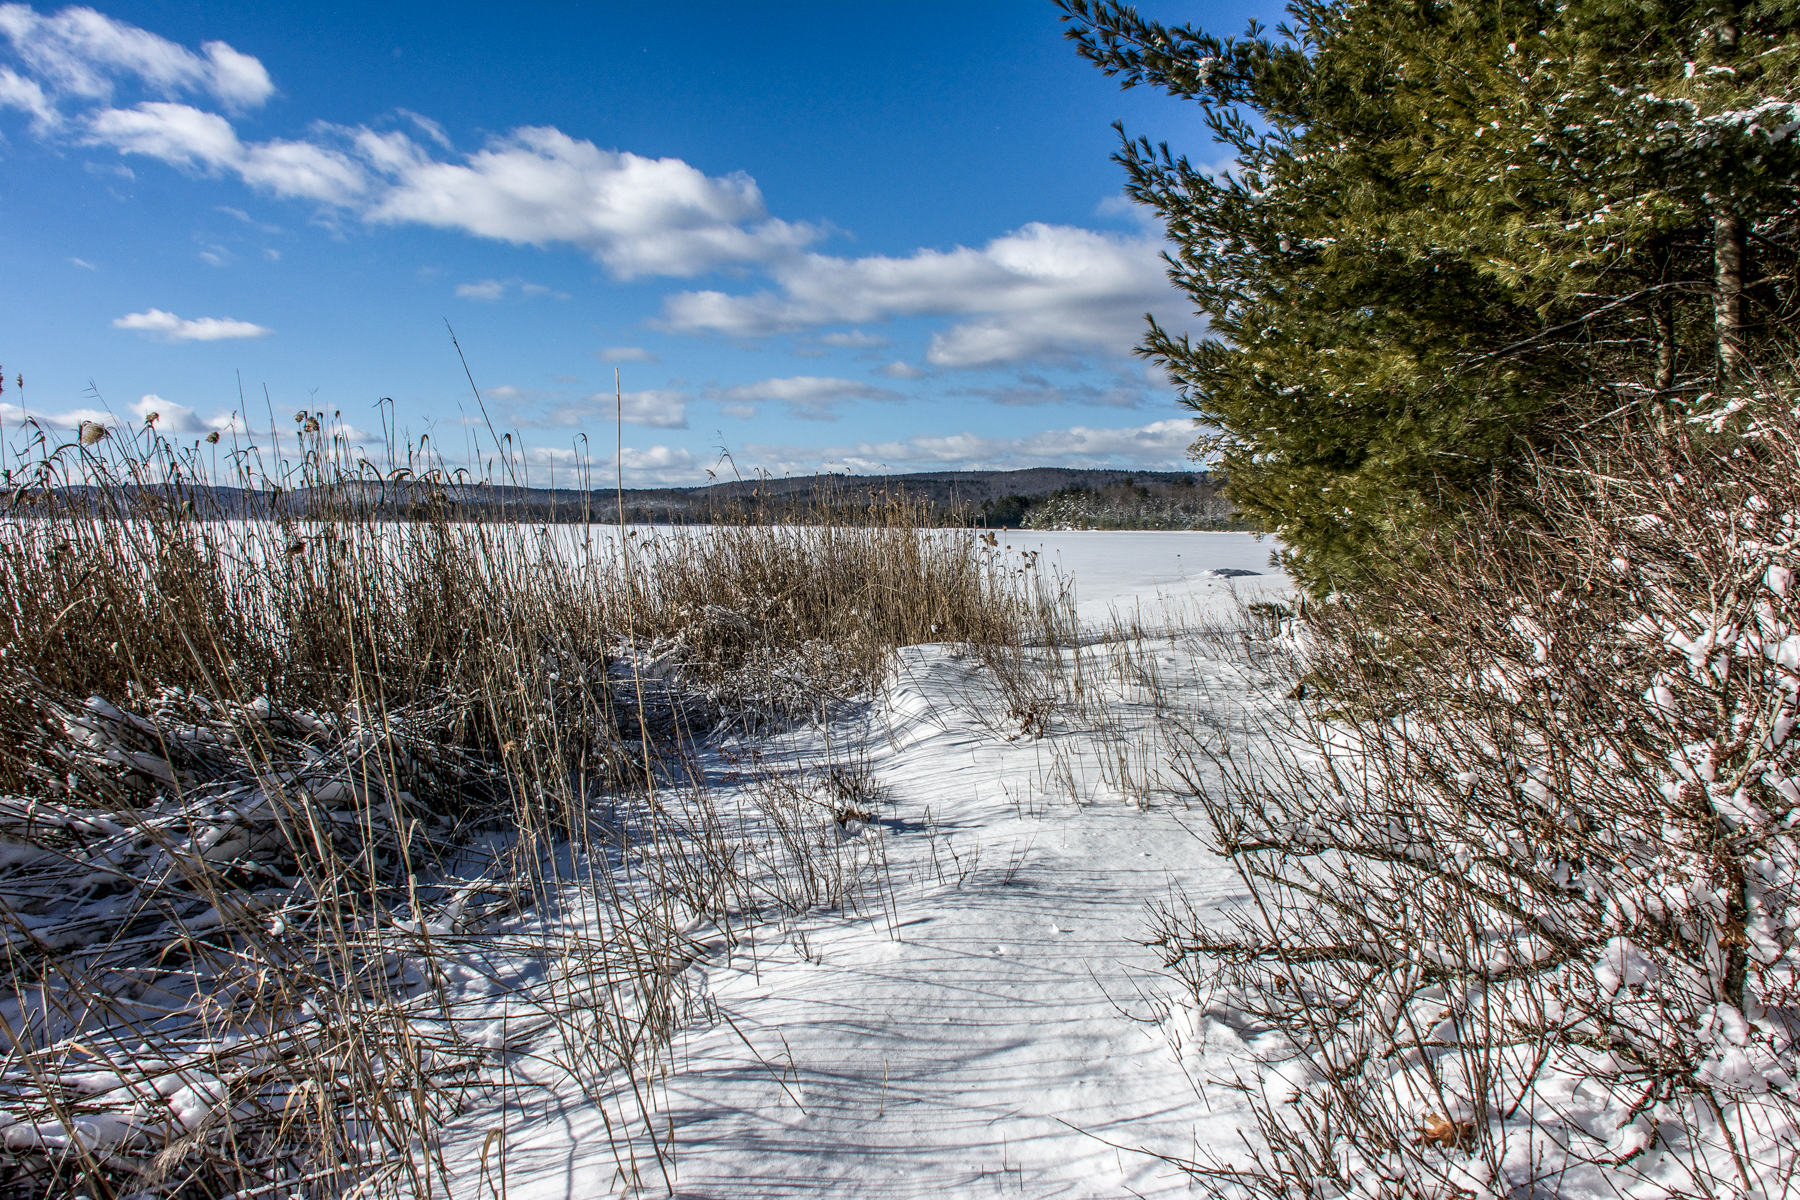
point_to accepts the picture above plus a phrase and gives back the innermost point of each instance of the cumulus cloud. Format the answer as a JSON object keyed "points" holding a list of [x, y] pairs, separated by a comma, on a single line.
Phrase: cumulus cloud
{"points": [[854, 339], [1035, 389], [80, 53], [1161, 445], [808, 397], [666, 459], [536, 186], [625, 354], [1044, 290], [742, 412], [533, 186], [657, 408], [172, 419], [637, 216], [654, 409], [667, 465], [184, 136], [900, 370], [172, 328], [1041, 292]]}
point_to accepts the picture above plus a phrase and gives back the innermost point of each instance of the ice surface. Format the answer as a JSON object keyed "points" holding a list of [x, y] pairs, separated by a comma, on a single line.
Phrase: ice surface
{"points": [[1121, 569]]}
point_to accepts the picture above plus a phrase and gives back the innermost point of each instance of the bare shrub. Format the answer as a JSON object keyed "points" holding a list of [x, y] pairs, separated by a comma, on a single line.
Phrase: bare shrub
{"points": [[1523, 869]]}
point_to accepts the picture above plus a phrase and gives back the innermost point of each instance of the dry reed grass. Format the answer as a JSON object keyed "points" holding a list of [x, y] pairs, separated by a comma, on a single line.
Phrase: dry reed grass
{"points": [[269, 789]]}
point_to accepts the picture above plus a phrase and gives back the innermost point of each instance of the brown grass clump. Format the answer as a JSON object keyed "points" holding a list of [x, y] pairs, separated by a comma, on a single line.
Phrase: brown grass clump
{"points": [[273, 773]]}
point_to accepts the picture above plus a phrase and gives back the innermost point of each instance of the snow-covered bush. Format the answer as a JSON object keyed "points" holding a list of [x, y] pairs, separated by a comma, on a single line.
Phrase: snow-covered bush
{"points": [[1524, 871]]}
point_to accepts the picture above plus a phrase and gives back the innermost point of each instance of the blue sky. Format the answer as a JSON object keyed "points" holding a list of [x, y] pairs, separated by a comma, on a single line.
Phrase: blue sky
{"points": [[850, 236]]}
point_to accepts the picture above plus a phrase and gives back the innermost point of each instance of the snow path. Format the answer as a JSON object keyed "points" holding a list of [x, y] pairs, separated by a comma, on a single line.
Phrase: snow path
{"points": [[987, 1032], [988, 1013]]}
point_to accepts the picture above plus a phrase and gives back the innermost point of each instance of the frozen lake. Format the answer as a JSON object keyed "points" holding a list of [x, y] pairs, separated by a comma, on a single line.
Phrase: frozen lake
{"points": [[1127, 568]]}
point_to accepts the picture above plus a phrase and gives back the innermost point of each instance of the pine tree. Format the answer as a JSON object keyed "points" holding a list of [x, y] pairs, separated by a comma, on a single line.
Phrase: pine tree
{"points": [[1456, 231]]}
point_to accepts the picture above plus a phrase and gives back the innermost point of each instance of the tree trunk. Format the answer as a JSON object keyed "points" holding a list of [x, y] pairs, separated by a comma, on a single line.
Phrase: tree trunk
{"points": [[1728, 237], [1728, 290], [1662, 318]]}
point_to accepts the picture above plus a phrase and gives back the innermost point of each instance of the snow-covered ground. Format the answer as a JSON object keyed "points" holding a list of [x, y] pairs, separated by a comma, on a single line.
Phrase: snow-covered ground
{"points": [[987, 1023], [1130, 569]]}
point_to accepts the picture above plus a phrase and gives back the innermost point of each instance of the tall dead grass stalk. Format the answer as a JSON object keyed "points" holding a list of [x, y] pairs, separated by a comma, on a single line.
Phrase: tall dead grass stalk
{"points": [[273, 790]]}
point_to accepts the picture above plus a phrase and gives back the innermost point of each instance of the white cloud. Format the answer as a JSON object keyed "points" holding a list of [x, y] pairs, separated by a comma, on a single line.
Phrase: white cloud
{"points": [[496, 289], [1035, 389], [81, 53], [171, 419], [487, 289], [238, 80], [807, 396], [1124, 209], [176, 419], [1044, 290], [742, 412], [625, 354], [13, 414], [855, 339], [427, 126], [24, 94], [84, 264], [658, 408], [182, 135], [201, 329], [666, 465], [176, 133], [658, 458], [538, 186], [1161, 445], [246, 218], [901, 370]]}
